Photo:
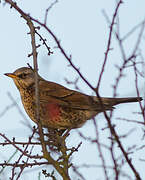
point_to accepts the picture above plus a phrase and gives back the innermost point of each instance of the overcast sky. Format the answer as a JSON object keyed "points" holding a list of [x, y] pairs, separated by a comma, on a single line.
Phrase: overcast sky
{"points": [[83, 31]]}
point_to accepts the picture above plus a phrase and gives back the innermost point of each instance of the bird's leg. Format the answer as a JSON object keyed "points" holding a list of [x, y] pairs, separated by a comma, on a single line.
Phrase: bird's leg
{"points": [[54, 138], [66, 134], [61, 131]]}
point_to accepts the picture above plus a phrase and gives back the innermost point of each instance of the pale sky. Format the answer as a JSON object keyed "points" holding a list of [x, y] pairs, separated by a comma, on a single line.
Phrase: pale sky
{"points": [[83, 31]]}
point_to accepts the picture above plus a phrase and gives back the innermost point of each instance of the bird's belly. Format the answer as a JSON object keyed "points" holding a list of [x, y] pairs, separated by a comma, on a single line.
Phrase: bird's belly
{"points": [[61, 117], [54, 116]]}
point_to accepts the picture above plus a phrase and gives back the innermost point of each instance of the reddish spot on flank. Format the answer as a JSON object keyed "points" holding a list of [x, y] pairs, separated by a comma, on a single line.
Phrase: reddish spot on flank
{"points": [[53, 111]]}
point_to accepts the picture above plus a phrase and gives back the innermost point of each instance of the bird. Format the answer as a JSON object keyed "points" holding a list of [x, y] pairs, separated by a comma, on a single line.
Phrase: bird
{"points": [[59, 107]]}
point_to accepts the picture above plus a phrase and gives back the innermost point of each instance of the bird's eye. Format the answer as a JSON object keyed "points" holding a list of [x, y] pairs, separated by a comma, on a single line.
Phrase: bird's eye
{"points": [[22, 76]]}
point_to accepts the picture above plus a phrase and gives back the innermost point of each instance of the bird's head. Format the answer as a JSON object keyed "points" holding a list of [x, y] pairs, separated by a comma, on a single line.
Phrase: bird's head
{"points": [[23, 77]]}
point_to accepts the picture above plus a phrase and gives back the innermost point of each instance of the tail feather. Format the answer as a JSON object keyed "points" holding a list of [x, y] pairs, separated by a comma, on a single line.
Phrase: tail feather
{"points": [[109, 103], [126, 100]]}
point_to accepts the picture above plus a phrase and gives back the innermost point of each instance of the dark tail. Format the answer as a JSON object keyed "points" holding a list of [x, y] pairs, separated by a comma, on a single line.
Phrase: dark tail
{"points": [[125, 100], [108, 103]]}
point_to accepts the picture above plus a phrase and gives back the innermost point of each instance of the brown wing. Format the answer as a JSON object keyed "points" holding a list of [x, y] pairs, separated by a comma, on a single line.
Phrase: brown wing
{"points": [[56, 93]]}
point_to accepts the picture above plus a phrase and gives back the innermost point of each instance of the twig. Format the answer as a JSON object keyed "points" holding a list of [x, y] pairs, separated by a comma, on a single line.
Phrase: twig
{"points": [[48, 9], [109, 43]]}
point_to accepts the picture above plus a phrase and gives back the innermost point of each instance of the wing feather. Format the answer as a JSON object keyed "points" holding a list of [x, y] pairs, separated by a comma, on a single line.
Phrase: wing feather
{"points": [[63, 96]]}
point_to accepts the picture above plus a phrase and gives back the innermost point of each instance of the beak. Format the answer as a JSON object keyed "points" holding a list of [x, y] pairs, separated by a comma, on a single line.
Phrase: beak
{"points": [[10, 75]]}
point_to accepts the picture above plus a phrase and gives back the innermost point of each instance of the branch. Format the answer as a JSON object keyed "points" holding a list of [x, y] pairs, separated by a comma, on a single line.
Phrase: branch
{"points": [[109, 43]]}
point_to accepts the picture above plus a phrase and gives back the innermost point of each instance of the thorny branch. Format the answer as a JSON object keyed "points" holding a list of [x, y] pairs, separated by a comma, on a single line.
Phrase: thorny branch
{"points": [[100, 150], [109, 43]]}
